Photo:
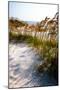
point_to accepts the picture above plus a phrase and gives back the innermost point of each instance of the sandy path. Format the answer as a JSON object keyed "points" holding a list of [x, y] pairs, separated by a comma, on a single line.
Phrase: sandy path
{"points": [[23, 61]]}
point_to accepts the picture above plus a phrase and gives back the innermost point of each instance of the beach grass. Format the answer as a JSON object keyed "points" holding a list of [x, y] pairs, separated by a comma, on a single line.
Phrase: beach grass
{"points": [[48, 51]]}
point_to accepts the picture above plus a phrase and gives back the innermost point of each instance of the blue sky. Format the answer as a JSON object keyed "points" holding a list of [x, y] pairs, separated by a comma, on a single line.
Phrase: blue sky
{"points": [[31, 12]]}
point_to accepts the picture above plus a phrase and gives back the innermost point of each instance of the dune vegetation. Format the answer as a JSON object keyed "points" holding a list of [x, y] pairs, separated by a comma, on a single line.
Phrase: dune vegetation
{"points": [[43, 36]]}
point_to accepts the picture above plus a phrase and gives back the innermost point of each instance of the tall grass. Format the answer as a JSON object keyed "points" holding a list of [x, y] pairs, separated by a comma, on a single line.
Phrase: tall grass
{"points": [[48, 51]]}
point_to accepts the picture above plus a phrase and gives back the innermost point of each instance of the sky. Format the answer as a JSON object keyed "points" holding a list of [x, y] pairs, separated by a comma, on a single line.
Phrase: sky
{"points": [[31, 12]]}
